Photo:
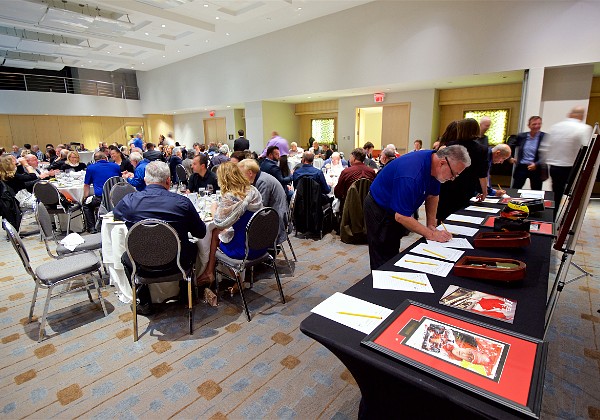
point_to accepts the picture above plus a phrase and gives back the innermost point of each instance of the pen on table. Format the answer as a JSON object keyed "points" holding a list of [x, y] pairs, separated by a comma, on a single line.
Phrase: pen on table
{"points": [[412, 281], [361, 315], [419, 262], [444, 226], [499, 187], [434, 253]]}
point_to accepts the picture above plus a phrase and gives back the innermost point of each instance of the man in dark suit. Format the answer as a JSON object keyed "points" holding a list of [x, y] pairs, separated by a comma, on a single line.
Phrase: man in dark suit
{"points": [[152, 154], [241, 143], [270, 165], [527, 160]]}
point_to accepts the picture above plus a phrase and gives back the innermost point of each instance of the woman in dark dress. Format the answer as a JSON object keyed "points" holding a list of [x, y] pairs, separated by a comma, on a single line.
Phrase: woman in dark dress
{"points": [[73, 163], [17, 180], [119, 158], [456, 194]]}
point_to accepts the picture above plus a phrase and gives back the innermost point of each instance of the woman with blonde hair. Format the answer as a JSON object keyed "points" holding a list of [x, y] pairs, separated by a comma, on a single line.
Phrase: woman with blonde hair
{"points": [[239, 201], [73, 163], [17, 180]]}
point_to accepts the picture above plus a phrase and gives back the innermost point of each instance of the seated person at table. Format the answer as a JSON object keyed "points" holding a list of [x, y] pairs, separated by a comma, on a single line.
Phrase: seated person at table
{"points": [[307, 169], [239, 201], [73, 163], [270, 165], [175, 160], [333, 169], [137, 177], [33, 161], [117, 156], [343, 162], [354, 172], [201, 176], [222, 156], [295, 150], [96, 174], [387, 155], [17, 180], [59, 161], [157, 202], [271, 191], [152, 154]]}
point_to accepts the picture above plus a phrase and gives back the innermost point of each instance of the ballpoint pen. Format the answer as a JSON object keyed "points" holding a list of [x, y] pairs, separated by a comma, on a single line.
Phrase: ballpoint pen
{"points": [[361, 315], [409, 280]]}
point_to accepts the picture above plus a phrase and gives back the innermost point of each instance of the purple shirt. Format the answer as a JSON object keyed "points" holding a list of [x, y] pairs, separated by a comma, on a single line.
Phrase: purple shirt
{"points": [[284, 148]]}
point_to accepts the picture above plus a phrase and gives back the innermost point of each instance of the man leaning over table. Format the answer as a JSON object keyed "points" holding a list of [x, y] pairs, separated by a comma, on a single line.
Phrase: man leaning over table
{"points": [[397, 192], [157, 202], [96, 174]]}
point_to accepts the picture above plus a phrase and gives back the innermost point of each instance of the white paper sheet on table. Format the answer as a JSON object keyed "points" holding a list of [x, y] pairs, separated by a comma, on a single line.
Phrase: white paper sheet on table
{"points": [[435, 251], [453, 243], [532, 194], [486, 200], [425, 265], [340, 302], [465, 219], [72, 240], [483, 209], [409, 282], [458, 230]]}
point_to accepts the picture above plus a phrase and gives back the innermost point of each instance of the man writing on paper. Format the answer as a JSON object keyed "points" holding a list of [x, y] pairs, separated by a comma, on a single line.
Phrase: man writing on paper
{"points": [[397, 192]]}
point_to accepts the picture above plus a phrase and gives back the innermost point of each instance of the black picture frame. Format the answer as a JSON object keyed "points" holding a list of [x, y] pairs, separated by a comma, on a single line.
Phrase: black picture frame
{"points": [[430, 364]]}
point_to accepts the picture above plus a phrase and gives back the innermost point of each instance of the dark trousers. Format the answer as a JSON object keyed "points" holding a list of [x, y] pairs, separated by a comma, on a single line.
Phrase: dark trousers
{"points": [[283, 166], [522, 173], [383, 233], [89, 211], [560, 176]]}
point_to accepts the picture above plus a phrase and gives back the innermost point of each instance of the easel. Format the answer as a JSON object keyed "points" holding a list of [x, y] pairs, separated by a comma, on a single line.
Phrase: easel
{"points": [[572, 217]]}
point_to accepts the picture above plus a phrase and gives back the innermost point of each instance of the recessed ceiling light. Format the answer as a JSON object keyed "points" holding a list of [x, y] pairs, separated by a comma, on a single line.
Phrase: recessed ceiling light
{"points": [[132, 66], [205, 5], [228, 106], [82, 65], [206, 40], [217, 18], [163, 26], [299, 8], [146, 33], [310, 97], [174, 112], [120, 46], [164, 56], [142, 62], [91, 115], [178, 51], [227, 33], [89, 61]]}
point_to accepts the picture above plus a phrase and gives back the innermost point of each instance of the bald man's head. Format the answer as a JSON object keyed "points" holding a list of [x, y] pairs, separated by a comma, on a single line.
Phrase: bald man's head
{"points": [[577, 112]]}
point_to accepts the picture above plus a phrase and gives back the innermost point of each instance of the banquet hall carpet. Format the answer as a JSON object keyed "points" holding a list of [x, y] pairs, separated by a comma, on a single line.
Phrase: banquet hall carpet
{"points": [[89, 365]]}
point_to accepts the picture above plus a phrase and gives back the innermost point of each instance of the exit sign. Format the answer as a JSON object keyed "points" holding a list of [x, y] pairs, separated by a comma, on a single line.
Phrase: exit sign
{"points": [[379, 97]]}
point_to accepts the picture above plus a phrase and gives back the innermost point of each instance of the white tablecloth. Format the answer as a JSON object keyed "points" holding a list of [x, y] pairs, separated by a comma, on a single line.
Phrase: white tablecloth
{"points": [[296, 160], [113, 247]]}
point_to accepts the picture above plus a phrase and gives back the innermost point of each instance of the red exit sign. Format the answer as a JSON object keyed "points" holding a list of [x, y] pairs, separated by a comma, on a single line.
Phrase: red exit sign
{"points": [[379, 97]]}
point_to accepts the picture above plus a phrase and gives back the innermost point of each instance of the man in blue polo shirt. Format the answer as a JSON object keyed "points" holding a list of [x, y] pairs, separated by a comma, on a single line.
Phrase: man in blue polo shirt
{"points": [[96, 174], [397, 192]]}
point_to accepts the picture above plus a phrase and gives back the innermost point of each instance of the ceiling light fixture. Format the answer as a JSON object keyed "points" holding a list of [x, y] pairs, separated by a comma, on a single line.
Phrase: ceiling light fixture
{"points": [[217, 18], [163, 26], [227, 33], [205, 5], [146, 33]]}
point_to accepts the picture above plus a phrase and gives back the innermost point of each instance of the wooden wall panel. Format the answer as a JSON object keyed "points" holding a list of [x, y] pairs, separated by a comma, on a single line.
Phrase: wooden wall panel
{"points": [[395, 125], [157, 125], [70, 129], [91, 132], [22, 129], [6, 139], [113, 130], [317, 107], [46, 131], [481, 94]]}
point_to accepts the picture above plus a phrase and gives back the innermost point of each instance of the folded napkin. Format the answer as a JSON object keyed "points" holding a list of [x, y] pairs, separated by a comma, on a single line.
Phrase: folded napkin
{"points": [[72, 240]]}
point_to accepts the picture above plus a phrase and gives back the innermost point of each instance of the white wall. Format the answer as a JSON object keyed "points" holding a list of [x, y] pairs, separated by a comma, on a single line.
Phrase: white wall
{"points": [[254, 125], [379, 43], [190, 127], [41, 103]]}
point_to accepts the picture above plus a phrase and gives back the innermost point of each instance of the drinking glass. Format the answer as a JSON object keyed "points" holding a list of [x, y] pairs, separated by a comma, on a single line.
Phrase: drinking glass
{"points": [[209, 189]]}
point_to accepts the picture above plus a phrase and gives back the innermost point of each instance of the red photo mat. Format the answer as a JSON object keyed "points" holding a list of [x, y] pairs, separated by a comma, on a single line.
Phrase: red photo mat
{"points": [[549, 204], [516, 379], [541, 228]]}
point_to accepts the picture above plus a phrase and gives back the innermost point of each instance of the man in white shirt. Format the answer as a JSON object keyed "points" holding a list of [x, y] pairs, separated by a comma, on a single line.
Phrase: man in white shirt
{"points": [[560, 150]]}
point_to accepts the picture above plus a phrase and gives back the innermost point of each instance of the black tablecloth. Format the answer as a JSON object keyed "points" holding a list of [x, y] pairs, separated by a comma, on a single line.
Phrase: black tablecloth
{"points": [[393, 389]]}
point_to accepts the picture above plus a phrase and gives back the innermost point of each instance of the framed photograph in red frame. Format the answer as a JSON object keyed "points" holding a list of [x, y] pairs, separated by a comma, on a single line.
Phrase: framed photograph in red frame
{"points": [[503, 366]]}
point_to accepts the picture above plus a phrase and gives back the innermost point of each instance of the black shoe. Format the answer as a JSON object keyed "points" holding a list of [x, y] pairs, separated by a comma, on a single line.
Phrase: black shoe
{"points": [[143, 309], [92, 231]]}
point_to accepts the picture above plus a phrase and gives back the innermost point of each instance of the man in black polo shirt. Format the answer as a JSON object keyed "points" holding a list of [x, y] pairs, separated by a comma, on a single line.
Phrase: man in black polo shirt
{"points": [[201, 176]]}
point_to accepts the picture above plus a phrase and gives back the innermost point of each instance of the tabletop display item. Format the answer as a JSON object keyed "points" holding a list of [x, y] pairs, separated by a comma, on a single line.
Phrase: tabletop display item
{"points": [[506, 367], [480, 303], [488, 268], [502, 239], [501, 224]]}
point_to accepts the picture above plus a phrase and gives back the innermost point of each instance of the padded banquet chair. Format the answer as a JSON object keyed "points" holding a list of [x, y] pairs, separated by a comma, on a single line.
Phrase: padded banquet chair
{"points": [[311, 214], [288, 229], [120, 190], [56, 202], [182, 175], [261, 233], [106, 202], [154, 249], [56, 272]]}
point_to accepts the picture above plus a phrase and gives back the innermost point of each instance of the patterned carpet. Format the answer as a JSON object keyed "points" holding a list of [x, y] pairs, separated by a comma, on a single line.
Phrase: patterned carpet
{"points": [[90, 367]]}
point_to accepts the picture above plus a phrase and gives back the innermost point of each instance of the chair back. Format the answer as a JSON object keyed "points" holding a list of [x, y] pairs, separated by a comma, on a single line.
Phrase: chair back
{"points": [[308, 206], [45, 222], [215, 168], [47, 193], [353, 229], [152, 244], [106, 189], [17, 244], [182, 175], [120, 190], [262, 229]]}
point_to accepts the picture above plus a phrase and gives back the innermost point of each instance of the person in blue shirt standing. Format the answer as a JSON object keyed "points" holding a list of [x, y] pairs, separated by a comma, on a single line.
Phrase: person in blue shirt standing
{"points": [[138, 142], [137, 177], [96, 174], [399, 190]]}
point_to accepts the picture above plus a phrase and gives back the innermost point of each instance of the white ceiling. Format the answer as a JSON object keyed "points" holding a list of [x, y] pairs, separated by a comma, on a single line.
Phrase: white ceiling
{"points": [[140, 34]]}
